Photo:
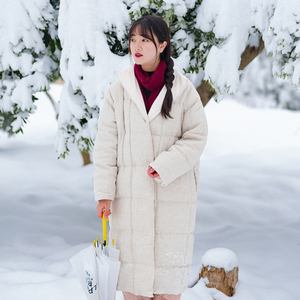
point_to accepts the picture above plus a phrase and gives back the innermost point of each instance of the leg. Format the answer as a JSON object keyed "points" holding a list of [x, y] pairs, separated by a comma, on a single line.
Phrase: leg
{"points": [[166, 297], [130, 296]]}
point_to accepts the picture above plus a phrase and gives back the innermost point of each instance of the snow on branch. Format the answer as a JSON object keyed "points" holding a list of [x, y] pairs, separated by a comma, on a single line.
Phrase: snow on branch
{"points": [[208, 35], [236, 21], [87, 66], [26, 62]]}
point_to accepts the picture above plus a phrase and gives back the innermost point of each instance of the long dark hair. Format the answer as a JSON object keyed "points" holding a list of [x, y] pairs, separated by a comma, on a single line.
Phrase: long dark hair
{"points": [[148, 27]]}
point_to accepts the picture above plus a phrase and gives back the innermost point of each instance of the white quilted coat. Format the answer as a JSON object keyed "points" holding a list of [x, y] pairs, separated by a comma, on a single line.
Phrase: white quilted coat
{"points": [[152, 220]]}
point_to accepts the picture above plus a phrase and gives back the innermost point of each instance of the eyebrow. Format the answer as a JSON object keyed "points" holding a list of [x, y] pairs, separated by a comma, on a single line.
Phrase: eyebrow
{"points": [[146, 37]]}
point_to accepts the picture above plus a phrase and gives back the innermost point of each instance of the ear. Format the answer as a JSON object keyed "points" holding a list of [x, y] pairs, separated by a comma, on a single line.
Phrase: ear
{"points": [[162, 46]]}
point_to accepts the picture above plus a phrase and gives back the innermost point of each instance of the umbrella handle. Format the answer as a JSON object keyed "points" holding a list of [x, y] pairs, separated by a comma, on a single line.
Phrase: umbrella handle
{"points": [[104, 221]]}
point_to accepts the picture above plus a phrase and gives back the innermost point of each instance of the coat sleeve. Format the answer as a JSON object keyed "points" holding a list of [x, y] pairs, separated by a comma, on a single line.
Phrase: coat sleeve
{"points": [[184, 154], [105, 152]]}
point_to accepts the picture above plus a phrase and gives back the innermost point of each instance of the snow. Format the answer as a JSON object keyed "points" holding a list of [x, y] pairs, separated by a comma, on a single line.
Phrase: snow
{"points": [[219, 258], [248, 202]]}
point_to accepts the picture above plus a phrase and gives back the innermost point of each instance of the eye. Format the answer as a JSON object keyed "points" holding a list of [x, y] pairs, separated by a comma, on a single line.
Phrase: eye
{"points": [[145, 40]]}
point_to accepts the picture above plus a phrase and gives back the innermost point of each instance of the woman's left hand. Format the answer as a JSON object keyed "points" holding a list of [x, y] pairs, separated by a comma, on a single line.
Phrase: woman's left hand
{"points": [[152, 173]]}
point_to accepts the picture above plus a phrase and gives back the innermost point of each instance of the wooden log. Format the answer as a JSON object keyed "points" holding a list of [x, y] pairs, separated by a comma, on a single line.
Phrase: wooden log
{"points": [[219, 266], [220, 279]]}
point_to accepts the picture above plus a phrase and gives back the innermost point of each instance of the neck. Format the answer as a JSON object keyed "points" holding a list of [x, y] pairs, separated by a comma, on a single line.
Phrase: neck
{"points": [[152, 68]]}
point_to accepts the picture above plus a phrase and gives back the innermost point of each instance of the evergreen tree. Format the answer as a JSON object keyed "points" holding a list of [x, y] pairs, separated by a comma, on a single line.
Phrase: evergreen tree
{"points": [[209, 38], [87, 65], [212, 41], [29, 57]]}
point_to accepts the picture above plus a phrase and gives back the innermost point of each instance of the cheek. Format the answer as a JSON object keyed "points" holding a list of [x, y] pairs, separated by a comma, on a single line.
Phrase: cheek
{"points": [[152, 51]]}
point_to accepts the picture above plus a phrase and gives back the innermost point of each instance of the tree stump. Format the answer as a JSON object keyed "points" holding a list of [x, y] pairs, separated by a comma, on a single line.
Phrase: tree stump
{"points": [[220, 267]]}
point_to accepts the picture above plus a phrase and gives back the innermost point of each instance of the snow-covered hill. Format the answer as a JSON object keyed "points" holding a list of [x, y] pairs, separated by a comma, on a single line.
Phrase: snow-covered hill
{"points": [[248, 202]]}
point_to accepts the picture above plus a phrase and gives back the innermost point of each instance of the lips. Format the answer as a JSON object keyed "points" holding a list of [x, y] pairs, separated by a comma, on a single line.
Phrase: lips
{"points": [[138, 55]]}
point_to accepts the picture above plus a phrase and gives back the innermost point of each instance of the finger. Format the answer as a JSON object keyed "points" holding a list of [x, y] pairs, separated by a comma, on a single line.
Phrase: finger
{"points": [[150, 169], [107, 213], [153, 171], [154, 175], [101, 213], [100, 210]]}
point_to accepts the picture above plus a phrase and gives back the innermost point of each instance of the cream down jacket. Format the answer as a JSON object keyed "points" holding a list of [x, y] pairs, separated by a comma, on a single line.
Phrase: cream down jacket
{"points": [[152, 220]]}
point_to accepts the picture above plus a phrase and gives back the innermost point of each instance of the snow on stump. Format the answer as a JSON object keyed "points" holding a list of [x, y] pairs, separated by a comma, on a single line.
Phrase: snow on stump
{"points": [[220, 266]]}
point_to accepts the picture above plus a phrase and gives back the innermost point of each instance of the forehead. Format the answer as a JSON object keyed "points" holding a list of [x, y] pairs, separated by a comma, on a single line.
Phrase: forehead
{"points": [[140, 31], [143, 30]]}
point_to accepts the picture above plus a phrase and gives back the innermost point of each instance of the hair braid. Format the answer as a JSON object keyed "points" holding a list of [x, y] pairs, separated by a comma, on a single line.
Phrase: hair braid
{"points": [[169, 77]]}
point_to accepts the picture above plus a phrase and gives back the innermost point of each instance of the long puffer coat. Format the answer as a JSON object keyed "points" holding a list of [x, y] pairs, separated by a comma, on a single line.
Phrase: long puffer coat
{"points": [[152, 220]]}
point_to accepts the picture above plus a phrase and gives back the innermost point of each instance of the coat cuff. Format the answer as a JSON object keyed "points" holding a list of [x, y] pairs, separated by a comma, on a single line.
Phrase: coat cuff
{"points": [[159, 181], [103, 197]]}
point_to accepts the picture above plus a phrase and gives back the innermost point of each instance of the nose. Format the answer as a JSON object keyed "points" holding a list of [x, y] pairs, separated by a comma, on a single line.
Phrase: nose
{"points": [[137, 46]]}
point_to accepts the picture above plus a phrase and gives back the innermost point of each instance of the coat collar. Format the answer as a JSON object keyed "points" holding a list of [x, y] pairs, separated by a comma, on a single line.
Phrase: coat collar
{"points": [[130, 84]]}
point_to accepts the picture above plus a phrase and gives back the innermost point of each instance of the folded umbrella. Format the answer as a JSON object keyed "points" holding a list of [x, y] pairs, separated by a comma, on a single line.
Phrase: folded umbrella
{"points": [[97, 268]]}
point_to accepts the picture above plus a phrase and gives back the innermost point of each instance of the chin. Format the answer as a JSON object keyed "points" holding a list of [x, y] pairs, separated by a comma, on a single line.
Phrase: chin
{"points": [[136, 61]]}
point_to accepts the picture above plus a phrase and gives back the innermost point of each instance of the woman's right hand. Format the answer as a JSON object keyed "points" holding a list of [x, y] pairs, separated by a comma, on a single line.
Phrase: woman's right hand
{"points": [[104, 205]]}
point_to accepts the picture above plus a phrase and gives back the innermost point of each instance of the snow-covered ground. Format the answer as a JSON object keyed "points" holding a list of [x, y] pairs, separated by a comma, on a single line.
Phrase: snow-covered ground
{"points": [[248, 202]]}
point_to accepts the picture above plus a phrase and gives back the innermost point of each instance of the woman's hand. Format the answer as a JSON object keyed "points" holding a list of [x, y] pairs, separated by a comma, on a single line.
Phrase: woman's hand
{"points": [[104, 204], [152, 173]]}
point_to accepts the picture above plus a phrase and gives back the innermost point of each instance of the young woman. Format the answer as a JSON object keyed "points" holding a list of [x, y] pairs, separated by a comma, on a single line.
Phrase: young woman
{"points": [[152, 130]]}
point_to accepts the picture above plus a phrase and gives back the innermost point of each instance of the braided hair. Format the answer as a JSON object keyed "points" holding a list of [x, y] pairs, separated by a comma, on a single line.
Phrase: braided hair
{"points": [[150, 26]]}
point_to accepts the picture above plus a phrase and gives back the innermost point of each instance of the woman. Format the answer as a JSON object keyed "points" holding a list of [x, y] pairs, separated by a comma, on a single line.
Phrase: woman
{"points": [[151, 132]]}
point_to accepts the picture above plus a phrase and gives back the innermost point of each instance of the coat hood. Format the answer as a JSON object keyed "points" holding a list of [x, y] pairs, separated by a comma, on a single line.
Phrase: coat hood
{"points": [[130, 84]]}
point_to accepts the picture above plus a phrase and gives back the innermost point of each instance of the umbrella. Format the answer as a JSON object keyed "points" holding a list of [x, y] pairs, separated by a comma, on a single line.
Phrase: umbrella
{"points": [[97, 268]]}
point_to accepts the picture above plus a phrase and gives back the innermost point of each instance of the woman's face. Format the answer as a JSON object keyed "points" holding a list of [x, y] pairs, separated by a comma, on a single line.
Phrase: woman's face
{"points": [[144, 51]]}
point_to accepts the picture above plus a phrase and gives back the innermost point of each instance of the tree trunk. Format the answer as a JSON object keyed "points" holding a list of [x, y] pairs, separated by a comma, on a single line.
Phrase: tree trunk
{"points": [[53, 104], [86, 158], [221, 280], [206, 91]]}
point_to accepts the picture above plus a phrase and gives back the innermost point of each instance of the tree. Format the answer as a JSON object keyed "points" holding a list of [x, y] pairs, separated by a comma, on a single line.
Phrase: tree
{"points": [[213, 40], [29, 57], [271, 24], [87, 65], [259, 88]]}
